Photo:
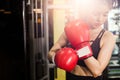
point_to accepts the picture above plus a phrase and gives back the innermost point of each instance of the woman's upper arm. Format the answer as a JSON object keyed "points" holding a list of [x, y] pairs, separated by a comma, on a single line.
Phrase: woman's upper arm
{"points": [[62, 41], [97, 66], [106, 49]]}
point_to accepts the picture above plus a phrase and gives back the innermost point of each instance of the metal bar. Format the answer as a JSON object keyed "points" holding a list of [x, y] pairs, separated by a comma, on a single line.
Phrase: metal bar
{"points": [[62, 6], [24, 25], [36, 10], [56, 6], [46, 32], [51, 65], [24, 35], [28, 2], [32, 56], [44, 77]]}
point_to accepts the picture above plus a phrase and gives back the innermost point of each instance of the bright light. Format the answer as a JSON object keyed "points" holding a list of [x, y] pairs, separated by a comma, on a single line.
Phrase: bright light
{"points": [[82, 3], [79, 3], [79, 7]]}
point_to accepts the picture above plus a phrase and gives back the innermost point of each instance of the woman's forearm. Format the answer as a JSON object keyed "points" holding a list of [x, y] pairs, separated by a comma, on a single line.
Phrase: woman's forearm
{"points": [[62, 41], [53, 50], [94, 66]]}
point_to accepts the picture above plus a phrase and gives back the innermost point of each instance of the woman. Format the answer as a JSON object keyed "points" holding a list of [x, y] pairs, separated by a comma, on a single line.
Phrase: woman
{"points": [[102, 43]]}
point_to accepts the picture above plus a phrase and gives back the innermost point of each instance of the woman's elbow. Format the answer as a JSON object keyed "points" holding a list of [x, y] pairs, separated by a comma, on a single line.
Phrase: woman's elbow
{"points": [[97, 73]]}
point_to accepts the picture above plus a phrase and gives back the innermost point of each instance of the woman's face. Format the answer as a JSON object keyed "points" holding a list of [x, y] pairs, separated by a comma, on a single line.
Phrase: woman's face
{"points": [[97, 16]]}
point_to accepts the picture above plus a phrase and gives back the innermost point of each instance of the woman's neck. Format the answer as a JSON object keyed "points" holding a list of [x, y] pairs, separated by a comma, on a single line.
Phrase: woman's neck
{"points": [[95, 31]]}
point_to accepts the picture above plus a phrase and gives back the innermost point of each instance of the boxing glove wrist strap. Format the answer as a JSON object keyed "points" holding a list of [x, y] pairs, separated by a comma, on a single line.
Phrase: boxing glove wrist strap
{"points": [[84, 53], [53, 58]]}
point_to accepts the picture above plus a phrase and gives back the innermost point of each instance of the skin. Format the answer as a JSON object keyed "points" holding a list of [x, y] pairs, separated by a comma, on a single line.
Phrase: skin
{"points": [[95, 67]]}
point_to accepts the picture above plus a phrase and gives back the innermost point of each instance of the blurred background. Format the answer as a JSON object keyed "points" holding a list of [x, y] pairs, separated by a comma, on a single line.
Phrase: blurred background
{"points": [[29, 28]]}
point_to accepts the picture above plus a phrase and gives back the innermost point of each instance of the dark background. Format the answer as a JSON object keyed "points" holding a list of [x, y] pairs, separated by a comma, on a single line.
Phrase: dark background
{"points": [[12, 56]]}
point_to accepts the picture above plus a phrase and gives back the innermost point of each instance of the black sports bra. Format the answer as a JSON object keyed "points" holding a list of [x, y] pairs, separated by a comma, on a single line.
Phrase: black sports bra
{"points": [[95, 47]]}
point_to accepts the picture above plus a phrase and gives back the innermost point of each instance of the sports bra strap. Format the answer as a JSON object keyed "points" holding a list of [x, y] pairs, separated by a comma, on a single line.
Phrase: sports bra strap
{"points": [[100, 34]]}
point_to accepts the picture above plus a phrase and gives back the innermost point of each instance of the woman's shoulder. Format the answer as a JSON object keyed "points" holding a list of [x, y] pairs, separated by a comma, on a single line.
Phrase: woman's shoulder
{"points": [[108, 36], [108, 39]]}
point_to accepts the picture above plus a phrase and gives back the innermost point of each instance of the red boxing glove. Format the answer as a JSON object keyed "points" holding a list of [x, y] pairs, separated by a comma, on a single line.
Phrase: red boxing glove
{"points": [[66, 58], [77, 33]]}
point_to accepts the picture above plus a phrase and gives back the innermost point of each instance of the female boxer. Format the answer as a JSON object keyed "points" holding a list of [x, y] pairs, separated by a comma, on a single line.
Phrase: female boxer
{"points": [[102, 43]]}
